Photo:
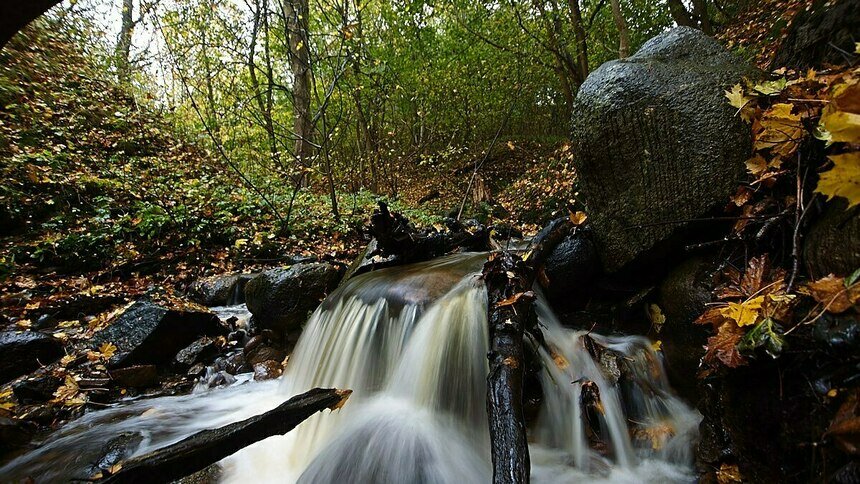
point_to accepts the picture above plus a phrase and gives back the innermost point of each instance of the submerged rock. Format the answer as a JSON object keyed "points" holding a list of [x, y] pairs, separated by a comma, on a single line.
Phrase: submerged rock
{"points": [[204, 350], [23, 352], [223, 290], [280, 299], [655, 141], [149, 333]]}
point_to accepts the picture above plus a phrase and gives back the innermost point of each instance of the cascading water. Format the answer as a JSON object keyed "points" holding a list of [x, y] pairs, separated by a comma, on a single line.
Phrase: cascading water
{"points": [[411, 342]]}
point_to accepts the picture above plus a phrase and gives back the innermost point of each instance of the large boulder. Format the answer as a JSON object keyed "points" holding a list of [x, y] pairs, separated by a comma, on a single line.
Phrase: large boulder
{"points": [[23, 352], [570, 269], [148, 333], [280, 299], [822, 34], [223, 290], [656, 142]]}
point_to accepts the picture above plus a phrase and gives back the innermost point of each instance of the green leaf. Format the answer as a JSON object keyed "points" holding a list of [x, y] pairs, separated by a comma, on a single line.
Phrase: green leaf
{"points": [[852, 278], [766, 334]]}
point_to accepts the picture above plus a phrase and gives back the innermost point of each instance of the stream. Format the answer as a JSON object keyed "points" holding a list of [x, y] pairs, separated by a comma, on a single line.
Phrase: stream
{"points": [[411, 342]]}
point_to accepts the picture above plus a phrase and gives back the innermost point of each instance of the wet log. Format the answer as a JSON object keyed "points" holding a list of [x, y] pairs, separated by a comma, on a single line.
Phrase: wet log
{"points": [[210, 446], [396, 236], [509, 279]]}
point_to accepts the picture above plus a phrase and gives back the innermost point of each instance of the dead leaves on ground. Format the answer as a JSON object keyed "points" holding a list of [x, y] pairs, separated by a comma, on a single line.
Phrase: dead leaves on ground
{"points": [[752, 306]]}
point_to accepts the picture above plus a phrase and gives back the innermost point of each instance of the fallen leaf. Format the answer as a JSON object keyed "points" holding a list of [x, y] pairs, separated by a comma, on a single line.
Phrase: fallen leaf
{"points": [[722, 346], [578, 218], [831, 292], [744, 313], [107, 350], [843, 180], [729, 474], [781, 131]]}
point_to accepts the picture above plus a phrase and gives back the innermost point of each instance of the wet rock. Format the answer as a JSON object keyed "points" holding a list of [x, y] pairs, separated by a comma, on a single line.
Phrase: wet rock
{"points": [[682, 297], [116, 450], [149, 333], [280, 299], [235, 364], [137, 376], [209, 475], [259, 349], [15, 434], [223, 290], [40, 388], [838, 332], [569, 269], [822, 34], [366, 263], [267, 370], [196, 371], [832, 245], [204, 350], [23, 352], [240, 336], [45, 321], [221, 379], [656, 142]]}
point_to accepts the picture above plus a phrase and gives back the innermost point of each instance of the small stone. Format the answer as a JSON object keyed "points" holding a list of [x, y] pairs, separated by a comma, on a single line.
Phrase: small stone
{"points": [[203, 350], [267, 370], [138, 376], [37, 389]]}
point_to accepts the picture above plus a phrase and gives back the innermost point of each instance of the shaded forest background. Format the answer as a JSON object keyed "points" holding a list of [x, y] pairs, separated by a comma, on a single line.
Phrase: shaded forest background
{"points": [[213, 135]]}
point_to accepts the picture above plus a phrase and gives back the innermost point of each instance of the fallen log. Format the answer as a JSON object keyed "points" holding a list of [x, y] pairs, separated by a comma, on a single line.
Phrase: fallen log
{"points": [[509, 279], [396, 236], [210, 446]]}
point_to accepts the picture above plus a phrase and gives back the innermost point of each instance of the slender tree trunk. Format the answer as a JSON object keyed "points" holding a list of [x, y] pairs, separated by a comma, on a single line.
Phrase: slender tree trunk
{"points": [[680, 14], [700, 10], [123, 45], [621, 24], [263, 94], [579, 34], [296, 13]]}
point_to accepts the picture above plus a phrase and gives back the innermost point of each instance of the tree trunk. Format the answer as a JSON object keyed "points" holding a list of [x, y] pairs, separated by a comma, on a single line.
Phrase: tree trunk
{"points": [[579, 34], [700, 10], [122, 53], [210, 446], [296, 13], [621, 24], [680, 14]]}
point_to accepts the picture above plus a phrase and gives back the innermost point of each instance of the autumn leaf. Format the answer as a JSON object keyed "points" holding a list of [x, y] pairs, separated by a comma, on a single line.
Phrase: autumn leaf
{"points": [[781, 131], [832, 292], [516, 297], [6, 400], [843, 180], [770, 88], [107, 350], [722, 346], [729, 474], [845, 427], [744, 313], [756, 165], [740, 101], [578, 218], [655, 314], [713, 316]]}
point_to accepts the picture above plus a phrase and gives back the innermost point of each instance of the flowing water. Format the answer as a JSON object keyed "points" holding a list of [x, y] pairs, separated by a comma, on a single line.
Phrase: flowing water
{"points": [[411, 342]]}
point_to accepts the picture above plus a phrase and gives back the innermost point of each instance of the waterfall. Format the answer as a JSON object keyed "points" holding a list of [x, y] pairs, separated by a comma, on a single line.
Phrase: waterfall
{"points": [[411, 342]]}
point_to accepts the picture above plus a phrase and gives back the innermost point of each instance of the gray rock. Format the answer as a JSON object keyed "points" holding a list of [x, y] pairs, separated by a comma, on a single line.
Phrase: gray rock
{"points": [[23, 352], [832, 245], [151, 334], [821, 35], [204, 350], [280, 299], [223, 290], [656, 142]]}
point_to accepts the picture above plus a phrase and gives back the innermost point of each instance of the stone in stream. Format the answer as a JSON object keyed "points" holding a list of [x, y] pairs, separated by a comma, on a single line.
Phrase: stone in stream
{"points": [[204, 350], [137, 376], [148, 333], [655, 141], [15, 434], [569, 269], [38, 388], [25, 351], [280, 299], [222, 290]]}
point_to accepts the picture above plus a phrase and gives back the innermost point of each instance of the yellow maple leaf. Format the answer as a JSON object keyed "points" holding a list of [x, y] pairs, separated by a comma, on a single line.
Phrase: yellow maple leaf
{"points": [[744, 313], [756, 165], [578, 218], [781, 130], [843, 180], [107, 350], [843, 127], [740, 101]]}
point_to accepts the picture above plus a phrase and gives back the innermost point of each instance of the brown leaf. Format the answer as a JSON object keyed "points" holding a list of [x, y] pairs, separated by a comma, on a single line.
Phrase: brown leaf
{"points": [[722, 346], [831, 292], [729, 474], [516, 297], [845, 427], [754, 277], [713, 316]]}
